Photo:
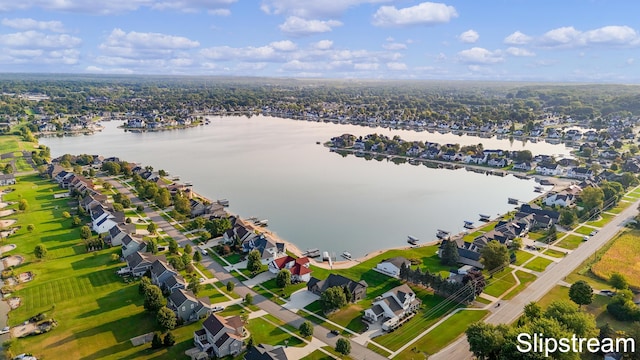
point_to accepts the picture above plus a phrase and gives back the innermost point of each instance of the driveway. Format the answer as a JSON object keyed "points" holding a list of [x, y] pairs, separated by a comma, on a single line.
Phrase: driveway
{"points": [[300, 299], [258, 279]]}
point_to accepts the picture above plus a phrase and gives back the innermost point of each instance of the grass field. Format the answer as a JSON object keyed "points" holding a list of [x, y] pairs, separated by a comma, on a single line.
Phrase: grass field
{"points": [[584, 230], [618, 209], [522, 257], [264, 332], [525, 278], [500, 282], [602, 221], [442, 335], [538, 264], [317, 355], [554, 253], [570, 242], [624, 257]]}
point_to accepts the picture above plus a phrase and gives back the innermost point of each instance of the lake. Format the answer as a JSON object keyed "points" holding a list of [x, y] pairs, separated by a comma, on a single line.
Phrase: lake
{"points": [[272, 168]]}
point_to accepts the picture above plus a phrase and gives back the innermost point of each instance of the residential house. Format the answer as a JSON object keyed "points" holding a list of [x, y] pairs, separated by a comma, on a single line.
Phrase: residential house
{"points": [[468, 252], [392, 266], [358, 289], [299, 268], [524, 166], [549, 169], [197, 208], [139, 262], [393, 306], [269, 249], [187, 307], [131, 245], [161, 271], [498, 162], [239, 232], [175, 282], [562, 199], [91, 200], [53, 170], [266, 352], [220, 337], [581, 173], [541, 217], [7, 179]]}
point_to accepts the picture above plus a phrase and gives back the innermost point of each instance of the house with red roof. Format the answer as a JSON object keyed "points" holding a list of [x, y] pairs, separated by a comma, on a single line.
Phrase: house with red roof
{"points": [[299, 268]]}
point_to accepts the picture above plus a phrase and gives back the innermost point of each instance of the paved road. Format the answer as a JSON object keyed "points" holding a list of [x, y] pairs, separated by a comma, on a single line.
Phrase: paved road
{"points": [[357, 351], [510, 310]]}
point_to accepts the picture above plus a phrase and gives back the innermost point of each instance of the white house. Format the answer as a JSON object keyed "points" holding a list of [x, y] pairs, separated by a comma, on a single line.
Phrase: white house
{"points": [[101, 220], [549, 169], [392, 266], [562, 199], [393, 306], [581, 173]]}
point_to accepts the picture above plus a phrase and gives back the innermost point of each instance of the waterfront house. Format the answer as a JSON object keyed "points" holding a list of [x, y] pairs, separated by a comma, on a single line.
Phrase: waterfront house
{"points": [[238, 233], [197, 207], [220, 337], [498, 162], [468, 252], [580, 173], [542, 217], [393, 306], [549, 169], [266, 352], [524, 166], [299, 268], [392, 266], [187, 307], [358, 289], [269, 249], [562, 199]]}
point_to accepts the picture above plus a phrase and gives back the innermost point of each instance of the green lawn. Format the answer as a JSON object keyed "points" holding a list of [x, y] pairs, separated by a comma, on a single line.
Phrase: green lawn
{"points": [[264, 332], [538, 264], [536, 235], [500, 282], [287, 291], [522, 257], [619, 208], [554, 253], [570, 242], [317, 355], [525, 278], [376, 349], [584, 230], [223, 288], [602, 221], [442, 335]]}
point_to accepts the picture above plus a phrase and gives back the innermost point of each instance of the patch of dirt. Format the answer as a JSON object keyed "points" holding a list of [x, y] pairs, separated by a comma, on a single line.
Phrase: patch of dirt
{"points": [[23, 330], [14, 302], [25, 277], [13, 260], [7, 248], [10, 281], [7, 212], [7, 223], [3, 205]]}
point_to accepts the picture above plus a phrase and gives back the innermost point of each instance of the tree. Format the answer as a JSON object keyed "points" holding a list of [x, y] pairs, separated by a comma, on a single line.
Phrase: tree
{"points": [[449, 255], [333, 298], [485, 340], [169, 340], [592, 198], [156, 343], [40, 251], [581, 293], [197, 256], [152, 228], [163, 198], [76, 221], [248, 299], [532, 311], [173, 246], [166, 318], [85, 232], [230, 286], [194, 285], [283, 279], [567, 217], [66, 215], [306, 329], [153, 299], [31, 227], [144, 284], [618, 281], [188, 249], [494, 255], [23, 205], [516, 243], [254, 263], [343, 346]]}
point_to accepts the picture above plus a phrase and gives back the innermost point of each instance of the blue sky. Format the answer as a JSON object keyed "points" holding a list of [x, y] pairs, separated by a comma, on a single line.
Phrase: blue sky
{"points": [[534, 40]]}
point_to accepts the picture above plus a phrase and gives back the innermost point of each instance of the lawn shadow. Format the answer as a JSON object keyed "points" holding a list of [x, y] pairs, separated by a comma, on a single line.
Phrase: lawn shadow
{"points": [[107, 302]]}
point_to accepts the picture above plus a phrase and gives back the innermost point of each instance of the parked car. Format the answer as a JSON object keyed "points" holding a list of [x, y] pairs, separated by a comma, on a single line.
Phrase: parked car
{"points": [[593, 232], [335, 332], [4, 330], [607, 292], [217, 308], [585, 238]]}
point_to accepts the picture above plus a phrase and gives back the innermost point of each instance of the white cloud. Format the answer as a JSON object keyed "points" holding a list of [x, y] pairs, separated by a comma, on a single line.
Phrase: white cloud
{"points": [[394, 46], [34, 39], [140, 44], [570, 37], [397, 66], [323, 45], [284, 45], [248, 54], [313, 9], [220, 12], [192, 5], [426, 13], [517, 38], [516, 51], [366, 66], [478, 55], [114, 6], [31, 24], [299, 27], [469, 36]]}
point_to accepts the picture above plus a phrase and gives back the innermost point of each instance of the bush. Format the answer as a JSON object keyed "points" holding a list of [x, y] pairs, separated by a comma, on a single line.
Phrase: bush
{"points": [[156, 343], [169, 339], [343, 346]]}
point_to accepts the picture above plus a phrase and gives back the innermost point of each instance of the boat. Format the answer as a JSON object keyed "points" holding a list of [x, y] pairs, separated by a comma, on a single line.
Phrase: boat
{"points": [[263, 222], [441, 234], [538, 189], [223, 202], [312, 253], [412, 240], [468, 224], [346, 255], [512, 201], [317, 142], [485, 218]]}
